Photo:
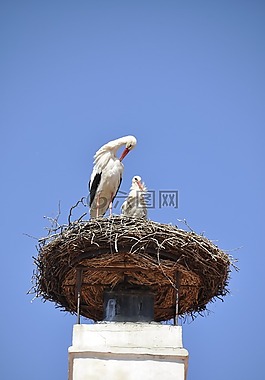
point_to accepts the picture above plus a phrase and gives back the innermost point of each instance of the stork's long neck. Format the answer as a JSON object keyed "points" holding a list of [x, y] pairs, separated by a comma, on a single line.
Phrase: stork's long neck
{"points": [[114, 145], [109, 150], [106, 153]]}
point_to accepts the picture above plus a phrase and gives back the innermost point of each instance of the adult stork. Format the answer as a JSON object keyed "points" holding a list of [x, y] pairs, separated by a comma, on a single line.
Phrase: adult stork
{"points": [[135, 205], [107, 173]]}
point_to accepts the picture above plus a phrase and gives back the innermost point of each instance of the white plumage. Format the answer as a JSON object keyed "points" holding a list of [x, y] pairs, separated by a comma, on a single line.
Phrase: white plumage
{"points": [[107, 173], [135, 205]]}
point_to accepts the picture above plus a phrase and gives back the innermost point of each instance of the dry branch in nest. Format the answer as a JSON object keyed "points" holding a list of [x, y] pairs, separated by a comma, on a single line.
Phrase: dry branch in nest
{"points": [[114, 250]]}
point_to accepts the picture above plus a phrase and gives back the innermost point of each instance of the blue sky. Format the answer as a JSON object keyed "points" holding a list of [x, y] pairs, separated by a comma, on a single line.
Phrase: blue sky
{"points": [[187, 79]]}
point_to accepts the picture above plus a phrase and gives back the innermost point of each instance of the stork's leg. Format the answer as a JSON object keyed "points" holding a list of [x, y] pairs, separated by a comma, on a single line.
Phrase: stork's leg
{"points": [[98, 202], [110, 205]]}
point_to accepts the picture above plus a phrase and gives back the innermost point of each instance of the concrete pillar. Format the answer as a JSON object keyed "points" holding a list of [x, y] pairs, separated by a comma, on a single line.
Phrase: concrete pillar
{"points": [[127, 351]]}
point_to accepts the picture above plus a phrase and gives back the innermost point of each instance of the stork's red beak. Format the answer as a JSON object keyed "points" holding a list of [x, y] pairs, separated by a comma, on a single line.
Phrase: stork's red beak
{"points": [[140, 185], [124, 153]]}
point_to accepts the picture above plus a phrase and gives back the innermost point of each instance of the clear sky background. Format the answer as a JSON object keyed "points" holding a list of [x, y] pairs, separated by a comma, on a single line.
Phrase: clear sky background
{"points": [[187, 79]]}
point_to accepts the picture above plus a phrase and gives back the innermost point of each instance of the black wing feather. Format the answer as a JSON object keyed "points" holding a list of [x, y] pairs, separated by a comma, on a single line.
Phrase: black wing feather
{"points": [[117, 189], [93, 187]]}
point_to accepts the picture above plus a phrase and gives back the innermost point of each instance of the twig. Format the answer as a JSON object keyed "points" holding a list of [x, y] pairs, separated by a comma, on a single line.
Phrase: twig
{"points": [[73, 207]]}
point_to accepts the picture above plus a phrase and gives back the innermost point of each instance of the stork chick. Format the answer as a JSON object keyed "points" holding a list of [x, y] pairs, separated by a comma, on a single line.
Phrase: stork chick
{"points": [[135, 205]]}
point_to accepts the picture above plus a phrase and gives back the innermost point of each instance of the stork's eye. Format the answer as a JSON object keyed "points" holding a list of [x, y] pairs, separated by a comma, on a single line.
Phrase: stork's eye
{"points": [[129, 146]]}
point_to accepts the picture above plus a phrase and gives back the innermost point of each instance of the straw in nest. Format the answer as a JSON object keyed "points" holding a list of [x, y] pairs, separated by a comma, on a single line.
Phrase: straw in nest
{"points": [[108, 251]]}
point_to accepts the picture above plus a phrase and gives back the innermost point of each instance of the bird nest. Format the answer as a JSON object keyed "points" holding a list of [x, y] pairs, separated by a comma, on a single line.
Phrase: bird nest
{"points": [[101, 254]]}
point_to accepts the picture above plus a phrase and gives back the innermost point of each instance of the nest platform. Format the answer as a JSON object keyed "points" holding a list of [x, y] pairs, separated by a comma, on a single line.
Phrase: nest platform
{"points": [[101, 254]]}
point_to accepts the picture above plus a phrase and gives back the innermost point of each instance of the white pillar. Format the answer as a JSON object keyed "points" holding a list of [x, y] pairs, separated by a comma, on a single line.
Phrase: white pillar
{"points": [[127, 351]]}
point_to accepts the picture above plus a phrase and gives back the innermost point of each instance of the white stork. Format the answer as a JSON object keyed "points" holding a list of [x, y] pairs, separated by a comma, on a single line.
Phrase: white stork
{"points": [[135, 205], [106, 176]]}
